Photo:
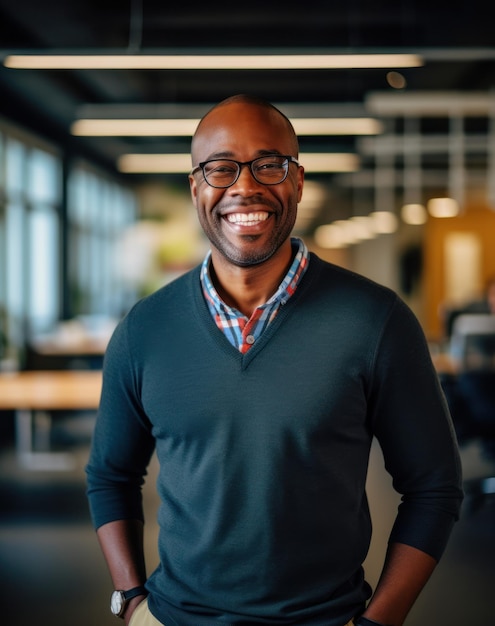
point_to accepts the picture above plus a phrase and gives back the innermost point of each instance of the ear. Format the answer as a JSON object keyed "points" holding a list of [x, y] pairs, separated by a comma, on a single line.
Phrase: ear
{"points": [[194, 190], [300, 182]]}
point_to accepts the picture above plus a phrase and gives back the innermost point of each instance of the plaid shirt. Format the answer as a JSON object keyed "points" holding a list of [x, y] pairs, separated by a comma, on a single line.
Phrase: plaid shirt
{"points": [[239, 330]]}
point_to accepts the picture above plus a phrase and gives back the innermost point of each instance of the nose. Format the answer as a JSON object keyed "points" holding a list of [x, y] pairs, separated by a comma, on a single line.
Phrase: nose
{"points": [[246, 181]]}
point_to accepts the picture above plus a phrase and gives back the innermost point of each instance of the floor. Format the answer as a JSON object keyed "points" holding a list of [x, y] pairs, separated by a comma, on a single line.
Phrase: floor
{"points": [[53, 574]]}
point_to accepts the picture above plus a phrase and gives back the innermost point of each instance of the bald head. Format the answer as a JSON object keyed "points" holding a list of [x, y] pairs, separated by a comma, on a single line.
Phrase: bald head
{"points": [[245, 102]]}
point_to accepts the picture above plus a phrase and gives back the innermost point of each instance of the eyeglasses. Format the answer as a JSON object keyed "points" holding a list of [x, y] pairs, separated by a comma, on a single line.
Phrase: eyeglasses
{"points": [[267, 170]]}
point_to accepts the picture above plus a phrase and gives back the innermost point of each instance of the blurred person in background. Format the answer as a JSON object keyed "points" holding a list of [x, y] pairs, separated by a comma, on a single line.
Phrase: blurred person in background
{"points": [[260, 379], [484, 305]]}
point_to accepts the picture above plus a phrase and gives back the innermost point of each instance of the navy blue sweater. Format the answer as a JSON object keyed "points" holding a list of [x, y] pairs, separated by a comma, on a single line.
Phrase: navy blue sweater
{"points": [[263, 457]]}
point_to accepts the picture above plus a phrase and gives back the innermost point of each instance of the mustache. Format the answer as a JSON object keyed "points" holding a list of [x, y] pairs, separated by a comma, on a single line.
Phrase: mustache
{"points": [[232, 204]]}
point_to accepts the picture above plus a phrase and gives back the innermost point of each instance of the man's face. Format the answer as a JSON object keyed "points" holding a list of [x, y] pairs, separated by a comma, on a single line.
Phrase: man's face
{"points": [[247, 222]]}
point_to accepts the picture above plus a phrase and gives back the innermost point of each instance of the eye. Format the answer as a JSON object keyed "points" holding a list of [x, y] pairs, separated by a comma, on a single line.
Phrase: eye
{"points": [[269, 166], [219, 168]]}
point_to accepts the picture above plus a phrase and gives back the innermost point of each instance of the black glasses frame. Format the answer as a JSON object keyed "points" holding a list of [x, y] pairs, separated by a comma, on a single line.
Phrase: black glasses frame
{"points": [[240, 164]]}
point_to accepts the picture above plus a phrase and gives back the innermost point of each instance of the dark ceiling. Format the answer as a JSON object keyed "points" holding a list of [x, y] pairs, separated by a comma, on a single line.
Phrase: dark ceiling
{"points": [[456, 39]]}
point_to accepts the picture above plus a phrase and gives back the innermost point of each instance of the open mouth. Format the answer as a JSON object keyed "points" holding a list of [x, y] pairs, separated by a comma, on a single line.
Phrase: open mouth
{"points": [[247, 219]]}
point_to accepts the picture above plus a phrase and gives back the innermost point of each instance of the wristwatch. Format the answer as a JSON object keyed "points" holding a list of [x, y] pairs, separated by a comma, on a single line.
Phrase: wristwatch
{"points": [[121, 598]]}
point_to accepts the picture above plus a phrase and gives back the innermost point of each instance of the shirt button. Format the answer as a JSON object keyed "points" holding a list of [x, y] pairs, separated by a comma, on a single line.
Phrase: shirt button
{"points": [[250, 339]]}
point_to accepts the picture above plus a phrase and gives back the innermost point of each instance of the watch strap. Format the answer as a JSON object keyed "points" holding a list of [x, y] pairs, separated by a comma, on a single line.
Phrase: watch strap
{"points": [[135, 591]]}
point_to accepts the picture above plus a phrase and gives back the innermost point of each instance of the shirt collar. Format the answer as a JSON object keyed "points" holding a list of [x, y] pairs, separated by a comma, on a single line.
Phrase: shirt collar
{"points": [[286, 288]]}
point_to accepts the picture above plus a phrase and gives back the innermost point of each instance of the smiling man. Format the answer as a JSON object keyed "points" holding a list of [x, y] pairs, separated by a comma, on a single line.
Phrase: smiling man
{"points": [[260, 378]]}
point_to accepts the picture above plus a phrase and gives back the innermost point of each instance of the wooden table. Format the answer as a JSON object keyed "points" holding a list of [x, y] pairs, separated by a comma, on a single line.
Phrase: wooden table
{"points": [[80, 346], [31, 394]]}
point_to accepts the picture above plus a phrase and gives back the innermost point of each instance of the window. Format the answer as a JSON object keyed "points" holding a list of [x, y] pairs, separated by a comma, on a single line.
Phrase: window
{"points": [[32, 250], [98, 210]]}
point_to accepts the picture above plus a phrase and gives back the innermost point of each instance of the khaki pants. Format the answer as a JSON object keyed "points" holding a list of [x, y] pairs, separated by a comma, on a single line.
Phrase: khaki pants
{"points": [[142, 616]]}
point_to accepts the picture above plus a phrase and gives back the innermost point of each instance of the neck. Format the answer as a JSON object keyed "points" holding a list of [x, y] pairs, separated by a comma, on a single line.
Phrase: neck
{"points": [[246, 288]]}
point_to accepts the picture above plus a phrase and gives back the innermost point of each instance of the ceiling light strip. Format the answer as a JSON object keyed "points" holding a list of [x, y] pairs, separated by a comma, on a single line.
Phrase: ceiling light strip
{"points": [[135, 128], [187, 127], [181, 163], [211, 61]]}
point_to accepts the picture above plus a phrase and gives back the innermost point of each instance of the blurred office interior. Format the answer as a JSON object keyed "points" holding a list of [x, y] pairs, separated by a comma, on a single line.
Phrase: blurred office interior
{"points": [[394, 104]]}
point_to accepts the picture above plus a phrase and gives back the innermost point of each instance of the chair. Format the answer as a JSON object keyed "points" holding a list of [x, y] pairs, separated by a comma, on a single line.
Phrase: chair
{"points": [[470, 393]]}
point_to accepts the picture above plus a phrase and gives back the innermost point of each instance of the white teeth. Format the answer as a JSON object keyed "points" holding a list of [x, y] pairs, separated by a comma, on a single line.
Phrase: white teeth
{"points": [[247, 218]]}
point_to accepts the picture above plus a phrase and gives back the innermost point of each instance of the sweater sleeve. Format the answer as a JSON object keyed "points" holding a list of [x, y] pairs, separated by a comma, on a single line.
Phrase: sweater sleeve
{"points": [[122, 443], [412, 423]]}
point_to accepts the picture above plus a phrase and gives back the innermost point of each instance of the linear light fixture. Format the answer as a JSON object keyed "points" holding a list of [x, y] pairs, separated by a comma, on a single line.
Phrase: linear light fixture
{"points": [[154, 163], [181, 163], [430, 103], [315, 162], [134, 127], [186, 127], [226, 61]]}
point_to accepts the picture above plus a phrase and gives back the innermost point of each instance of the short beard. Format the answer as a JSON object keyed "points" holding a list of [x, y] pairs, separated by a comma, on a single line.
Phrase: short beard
{"points": [[251, 260]]}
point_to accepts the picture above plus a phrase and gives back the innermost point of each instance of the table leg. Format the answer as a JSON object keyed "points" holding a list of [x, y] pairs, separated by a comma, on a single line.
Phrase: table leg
{"points": [[27, 456]]}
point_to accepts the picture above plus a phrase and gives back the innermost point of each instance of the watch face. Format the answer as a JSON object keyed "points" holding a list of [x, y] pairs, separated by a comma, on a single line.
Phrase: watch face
{"points": [[117, 602]]}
